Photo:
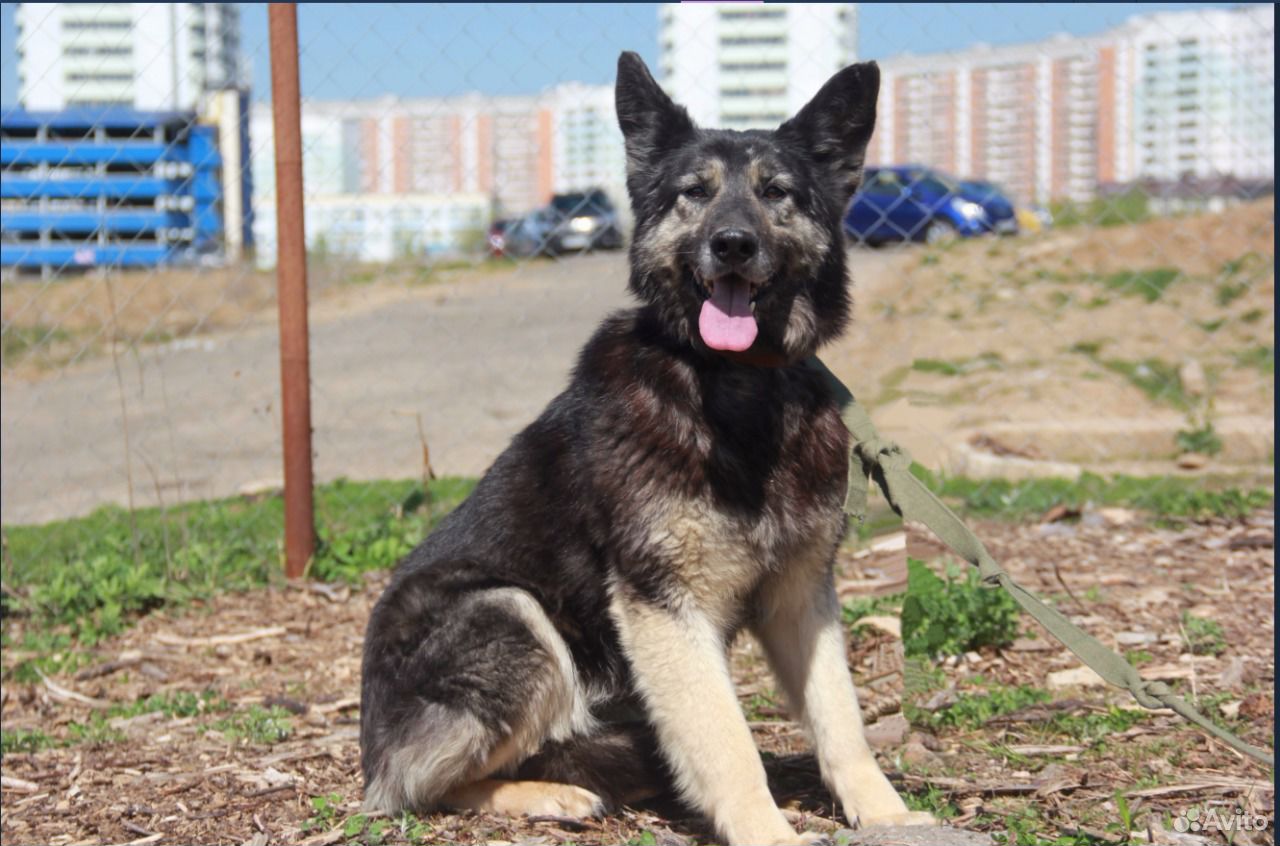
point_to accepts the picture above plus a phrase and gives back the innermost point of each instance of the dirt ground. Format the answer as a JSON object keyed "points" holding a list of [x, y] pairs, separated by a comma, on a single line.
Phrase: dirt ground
{"points": [[157, 778]]}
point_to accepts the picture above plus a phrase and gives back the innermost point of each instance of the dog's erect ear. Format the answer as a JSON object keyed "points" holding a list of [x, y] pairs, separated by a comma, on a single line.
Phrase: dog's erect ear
{"points": [[837, 123], [651, 123]]}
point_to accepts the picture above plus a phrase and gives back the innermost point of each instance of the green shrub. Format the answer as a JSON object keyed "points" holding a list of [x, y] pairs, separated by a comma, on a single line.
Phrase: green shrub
{"points": [[953, 616]]}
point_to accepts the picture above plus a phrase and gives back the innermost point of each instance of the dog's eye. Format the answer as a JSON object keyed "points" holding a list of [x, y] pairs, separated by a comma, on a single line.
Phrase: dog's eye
{"points": [[697, 192], [773, 192]]}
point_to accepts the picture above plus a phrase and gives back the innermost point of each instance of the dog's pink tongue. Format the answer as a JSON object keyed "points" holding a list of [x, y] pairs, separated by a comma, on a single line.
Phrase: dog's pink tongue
{"points": [[726, 322]]}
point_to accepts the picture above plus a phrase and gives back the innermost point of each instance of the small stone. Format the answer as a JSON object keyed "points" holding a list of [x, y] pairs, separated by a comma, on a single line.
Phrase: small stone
{"points": [[1075, 677], [917, 754], [1193, 379], [1232, 675], [888, 732], [1117, 516], [1135, 638]]}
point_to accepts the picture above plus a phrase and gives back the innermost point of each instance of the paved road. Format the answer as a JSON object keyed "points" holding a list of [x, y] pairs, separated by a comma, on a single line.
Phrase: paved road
{"points": [[476, 359]]}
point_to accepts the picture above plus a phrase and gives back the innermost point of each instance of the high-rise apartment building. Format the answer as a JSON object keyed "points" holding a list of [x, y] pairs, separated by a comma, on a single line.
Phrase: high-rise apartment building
{"points": [[441, 167], [752, 65], [1204, 93], [1025, 117], [1162, 97], [142, 55]]}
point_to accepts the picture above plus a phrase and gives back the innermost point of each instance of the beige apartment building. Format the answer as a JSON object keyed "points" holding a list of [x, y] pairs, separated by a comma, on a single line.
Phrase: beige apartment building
{"points": [[1164, 96]]}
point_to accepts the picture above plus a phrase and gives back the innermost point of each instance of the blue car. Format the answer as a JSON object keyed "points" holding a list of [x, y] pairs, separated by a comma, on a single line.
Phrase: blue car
{"points": [[913, 203]]}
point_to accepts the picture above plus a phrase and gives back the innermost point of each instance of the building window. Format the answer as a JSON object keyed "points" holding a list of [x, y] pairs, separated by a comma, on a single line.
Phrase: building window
{"points": [[751, 14], [731, 67], [89, 25], [753, 92], [99, 77], [752, 40]]}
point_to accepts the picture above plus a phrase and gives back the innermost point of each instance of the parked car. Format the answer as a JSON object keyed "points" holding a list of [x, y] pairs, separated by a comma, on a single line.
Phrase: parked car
{"points": [[1000, 209], [584, 220], [911, 203], [529, 235]]}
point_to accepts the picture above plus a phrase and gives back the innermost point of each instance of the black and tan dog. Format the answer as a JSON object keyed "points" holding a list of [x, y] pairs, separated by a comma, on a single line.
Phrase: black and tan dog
{"points": [[558, 645]]}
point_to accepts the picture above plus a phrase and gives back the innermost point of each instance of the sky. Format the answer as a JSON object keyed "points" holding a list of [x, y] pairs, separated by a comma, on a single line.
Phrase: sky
{"points": [[367, 50]]}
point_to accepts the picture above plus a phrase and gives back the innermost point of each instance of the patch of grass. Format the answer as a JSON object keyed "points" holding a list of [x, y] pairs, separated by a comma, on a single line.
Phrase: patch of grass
{"points": [[361, 829], [869, 605], [24, 740], [77, 581], [952, 616], [1261, 358], [1149, 284], [934, 800], [960, 367], [1139, 657], [1165, 497], [1095, 726], [1158, 379], [1253, 315], [1129, 207], [973, 711], [326, 808], [1204, 635], [1212, 326], [17, 341], [256, 724], [96, 731], [1089, 348], [1203, 439], [178, 703]]}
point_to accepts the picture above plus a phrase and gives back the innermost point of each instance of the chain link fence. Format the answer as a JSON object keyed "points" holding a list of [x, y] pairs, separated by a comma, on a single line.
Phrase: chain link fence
{"points": [[1062, 255]]}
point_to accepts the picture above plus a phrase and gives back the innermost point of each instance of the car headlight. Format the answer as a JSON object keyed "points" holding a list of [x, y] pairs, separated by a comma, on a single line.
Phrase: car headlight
{"points": [[970, 210], [582, 224]]}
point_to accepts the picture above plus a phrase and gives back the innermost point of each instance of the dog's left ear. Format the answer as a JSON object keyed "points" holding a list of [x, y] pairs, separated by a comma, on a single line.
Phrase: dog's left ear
{"points": [[651, 122], [837, 123]]}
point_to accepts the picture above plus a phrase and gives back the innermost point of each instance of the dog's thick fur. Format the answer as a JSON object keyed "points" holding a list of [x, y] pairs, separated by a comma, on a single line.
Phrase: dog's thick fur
{"points": [[558, 645]]}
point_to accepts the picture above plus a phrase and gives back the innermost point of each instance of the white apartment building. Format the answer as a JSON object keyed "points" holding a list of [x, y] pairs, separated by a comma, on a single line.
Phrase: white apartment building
{"points": [[1204, 93], [389, 177], [143, 55], [752, 65]]}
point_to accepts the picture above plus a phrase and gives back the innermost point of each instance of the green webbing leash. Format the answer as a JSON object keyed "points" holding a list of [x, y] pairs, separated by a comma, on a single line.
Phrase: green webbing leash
{"points": [[890, 466]]}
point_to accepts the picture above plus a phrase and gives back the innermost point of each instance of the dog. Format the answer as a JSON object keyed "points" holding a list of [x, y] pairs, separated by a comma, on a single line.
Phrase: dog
{"points": [[558, 645]]}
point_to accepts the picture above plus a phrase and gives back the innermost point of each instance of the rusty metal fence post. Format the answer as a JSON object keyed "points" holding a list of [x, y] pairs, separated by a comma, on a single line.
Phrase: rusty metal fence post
{"points": [[291, 280]]}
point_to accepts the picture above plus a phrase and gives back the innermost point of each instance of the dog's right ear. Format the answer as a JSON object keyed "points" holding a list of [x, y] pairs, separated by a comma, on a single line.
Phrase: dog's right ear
{"points": [[651, 122]]}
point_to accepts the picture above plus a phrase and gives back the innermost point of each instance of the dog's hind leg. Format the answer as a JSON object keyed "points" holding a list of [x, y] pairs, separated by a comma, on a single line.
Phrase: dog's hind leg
{"points": [[515, 798], [489, 685]]}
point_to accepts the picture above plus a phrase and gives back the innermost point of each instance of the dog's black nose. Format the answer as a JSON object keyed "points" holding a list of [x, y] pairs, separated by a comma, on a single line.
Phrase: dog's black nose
{"points": [[734, 246]]}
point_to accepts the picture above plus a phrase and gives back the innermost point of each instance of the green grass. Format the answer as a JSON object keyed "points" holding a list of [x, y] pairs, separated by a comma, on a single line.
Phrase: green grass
{"points": [[1202, 439], [972, 711], [24, 740], [73, 582], [17, 342], [1129, 207], [959, 367], [1204, 635], [1164, 497], [1261, 358], [955, 614], [256, 725], [1158, 379], [1149, 284]]}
